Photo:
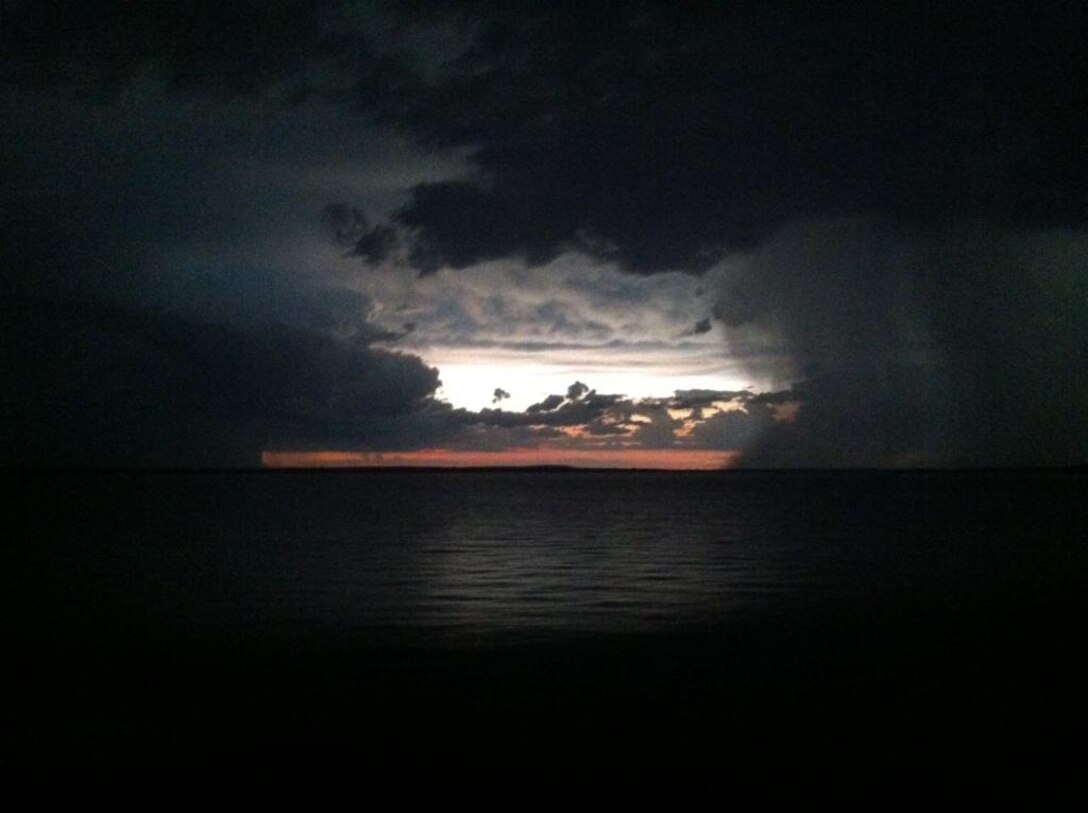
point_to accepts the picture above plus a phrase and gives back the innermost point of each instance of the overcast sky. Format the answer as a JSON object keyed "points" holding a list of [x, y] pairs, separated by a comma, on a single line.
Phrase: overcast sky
{"points": [[667, 234]]}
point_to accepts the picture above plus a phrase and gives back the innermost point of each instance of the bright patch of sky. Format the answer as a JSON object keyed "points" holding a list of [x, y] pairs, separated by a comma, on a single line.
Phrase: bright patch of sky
{"points": [[534, 331], [470, 376]]}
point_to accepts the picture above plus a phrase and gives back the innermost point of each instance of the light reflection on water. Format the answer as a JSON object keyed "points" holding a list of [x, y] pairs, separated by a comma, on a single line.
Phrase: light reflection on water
{"points": [[575, 569], [490, 554]]}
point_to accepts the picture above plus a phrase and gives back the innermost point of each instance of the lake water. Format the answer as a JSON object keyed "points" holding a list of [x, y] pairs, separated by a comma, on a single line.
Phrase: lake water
{"points": [[491, 555], [496, 593]]}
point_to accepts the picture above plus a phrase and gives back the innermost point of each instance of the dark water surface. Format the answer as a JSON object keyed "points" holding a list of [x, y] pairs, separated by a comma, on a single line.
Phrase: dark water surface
{"points": [[832, 630]]}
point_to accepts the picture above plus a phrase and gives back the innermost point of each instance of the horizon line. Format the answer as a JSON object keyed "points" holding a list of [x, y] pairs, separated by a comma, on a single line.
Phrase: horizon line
{"points": [[1077, 468], [611, 458]]}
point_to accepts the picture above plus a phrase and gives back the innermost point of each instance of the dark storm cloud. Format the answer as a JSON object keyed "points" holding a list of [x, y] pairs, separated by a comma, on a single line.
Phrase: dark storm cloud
{"points": [[734, 429], [897, 192], [659, 135], [94, 383], [955, 344], [662, 136], [236, 47]]}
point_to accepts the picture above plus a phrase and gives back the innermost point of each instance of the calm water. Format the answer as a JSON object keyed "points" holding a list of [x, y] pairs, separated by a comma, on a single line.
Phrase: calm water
{"points": [[490, 556], [874, 632]]}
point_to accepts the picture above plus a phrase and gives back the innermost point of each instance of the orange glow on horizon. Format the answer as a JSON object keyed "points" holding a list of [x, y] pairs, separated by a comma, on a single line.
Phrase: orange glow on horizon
{"points": [[675, 459]]}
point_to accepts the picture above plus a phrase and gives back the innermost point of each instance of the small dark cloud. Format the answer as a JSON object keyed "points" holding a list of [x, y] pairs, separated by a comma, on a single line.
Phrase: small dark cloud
{"points": [[587, 408], [580, 405], [348, 227], [687, 399], [795, 394], [547, 405], [499, 395], [345, 224], [375, 245], [698, 329], [601, 429], [596, 400], [576, 390], [372, 334]]}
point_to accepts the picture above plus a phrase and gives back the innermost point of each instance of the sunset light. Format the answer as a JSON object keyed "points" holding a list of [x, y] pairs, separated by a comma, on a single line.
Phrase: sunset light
{"points": [[666, 459]]}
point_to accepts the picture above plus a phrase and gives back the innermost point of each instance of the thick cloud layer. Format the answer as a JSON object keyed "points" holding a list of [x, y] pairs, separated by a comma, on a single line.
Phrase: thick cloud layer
{"points": [[663, 135], [660, 135], [97, 45], [886, 203], [959, 344], [99, 384]]}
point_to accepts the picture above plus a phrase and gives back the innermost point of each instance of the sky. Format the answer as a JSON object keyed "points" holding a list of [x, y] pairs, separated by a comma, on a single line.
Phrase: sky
{"points": [[465, 233]]}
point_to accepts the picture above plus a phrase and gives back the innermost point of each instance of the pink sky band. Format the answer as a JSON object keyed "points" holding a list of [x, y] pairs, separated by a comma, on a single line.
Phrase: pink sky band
{"points": [[675, 459]]}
